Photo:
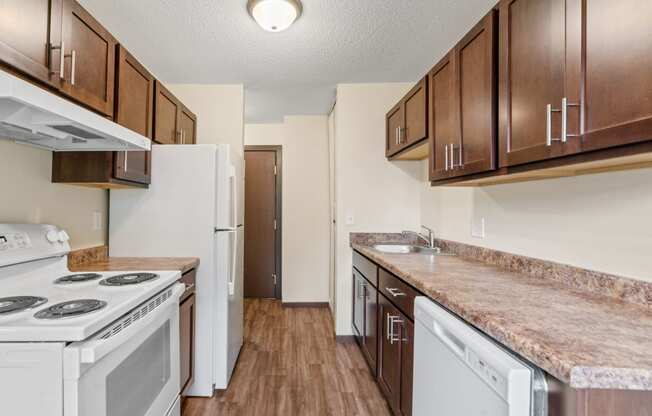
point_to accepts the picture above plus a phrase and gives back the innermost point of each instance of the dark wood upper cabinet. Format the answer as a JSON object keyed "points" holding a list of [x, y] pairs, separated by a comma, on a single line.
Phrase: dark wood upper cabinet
{"points": [[134, 109], [394, 125], [30, 38], [463, 105], [89, 59], [174, 123], [406, 124], [610, 75]]}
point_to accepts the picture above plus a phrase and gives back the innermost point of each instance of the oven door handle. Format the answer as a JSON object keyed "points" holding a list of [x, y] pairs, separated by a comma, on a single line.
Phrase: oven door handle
{"points": [[90, 352]]}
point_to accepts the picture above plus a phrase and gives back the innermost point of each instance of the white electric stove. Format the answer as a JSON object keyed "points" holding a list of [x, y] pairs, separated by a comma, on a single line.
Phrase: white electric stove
{"points": [[78, 344]]}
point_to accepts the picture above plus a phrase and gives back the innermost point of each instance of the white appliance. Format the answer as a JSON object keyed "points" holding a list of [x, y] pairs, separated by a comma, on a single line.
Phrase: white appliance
{"points": [[101, 344], [194, 208], [458, 371], [34, 116]]}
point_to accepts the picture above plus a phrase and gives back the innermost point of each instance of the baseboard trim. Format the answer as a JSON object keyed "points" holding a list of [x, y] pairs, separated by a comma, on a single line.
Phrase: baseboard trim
{"points": [[305, 304]]}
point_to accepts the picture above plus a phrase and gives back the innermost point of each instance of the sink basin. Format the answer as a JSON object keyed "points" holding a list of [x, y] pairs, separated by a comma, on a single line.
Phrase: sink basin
{"points": [[407, 249]]}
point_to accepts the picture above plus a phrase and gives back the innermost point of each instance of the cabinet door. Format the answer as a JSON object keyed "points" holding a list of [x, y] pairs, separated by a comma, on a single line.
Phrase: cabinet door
{"points": [[187, 126], [394, 129], [358, 305], [187, 340], [166, 116], [532, 55], [370, 336], [407, 366], [476, 92], [617, 90], [442, 117], [134, 110], [28, 29], [416, 114], [389, 363], [89, 59]]}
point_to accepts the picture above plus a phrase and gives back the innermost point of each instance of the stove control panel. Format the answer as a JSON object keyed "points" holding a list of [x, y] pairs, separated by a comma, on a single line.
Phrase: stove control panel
{"points": [[14, 241]]}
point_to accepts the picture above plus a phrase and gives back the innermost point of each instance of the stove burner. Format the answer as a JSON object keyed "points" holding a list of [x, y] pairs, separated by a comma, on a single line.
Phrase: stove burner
{"points": [[70, 309], [128, 279], [19, 303], [77, 278]]}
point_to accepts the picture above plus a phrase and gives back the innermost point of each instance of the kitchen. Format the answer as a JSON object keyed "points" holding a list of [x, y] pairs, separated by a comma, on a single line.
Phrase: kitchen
{"points": [[202, 216]]}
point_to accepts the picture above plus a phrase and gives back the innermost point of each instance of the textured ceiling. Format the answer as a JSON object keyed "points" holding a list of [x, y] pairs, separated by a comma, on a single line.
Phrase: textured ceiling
{"points": [[296, 71]]}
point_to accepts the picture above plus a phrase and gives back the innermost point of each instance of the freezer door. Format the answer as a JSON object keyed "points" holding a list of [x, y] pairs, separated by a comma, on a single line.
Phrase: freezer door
{"points": [[230, 189]]}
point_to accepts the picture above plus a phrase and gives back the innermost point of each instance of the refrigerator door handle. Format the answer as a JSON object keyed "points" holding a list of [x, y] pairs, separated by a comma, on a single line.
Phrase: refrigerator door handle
{"points": [[234, 258], [234, 198], [225, 230]]}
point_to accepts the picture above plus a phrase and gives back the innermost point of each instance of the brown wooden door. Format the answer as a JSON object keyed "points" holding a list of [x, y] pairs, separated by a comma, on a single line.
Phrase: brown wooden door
{"points": [[28, 29], [166, 116], [475, 91], [134, 110], [89, 59], [407, 366], [187, 340], [532, 56], [394, 129], [389, 362], [442, 117], [358, 306], [260, 217], [416, 114], [187, 126], [617, 83], [370, 336]]}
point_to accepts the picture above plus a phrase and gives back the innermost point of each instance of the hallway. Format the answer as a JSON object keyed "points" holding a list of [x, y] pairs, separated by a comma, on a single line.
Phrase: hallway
{"points": [[291, 365]]}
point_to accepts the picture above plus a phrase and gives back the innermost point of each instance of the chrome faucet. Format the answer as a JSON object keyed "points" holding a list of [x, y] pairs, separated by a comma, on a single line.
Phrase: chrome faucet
{"points": [[428, 237]]}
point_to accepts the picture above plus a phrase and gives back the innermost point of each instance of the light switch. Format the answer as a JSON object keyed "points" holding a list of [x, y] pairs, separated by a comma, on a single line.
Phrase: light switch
{"points": [[350, 218]]}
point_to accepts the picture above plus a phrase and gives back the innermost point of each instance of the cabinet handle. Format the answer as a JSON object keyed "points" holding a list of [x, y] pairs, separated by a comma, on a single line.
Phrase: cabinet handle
{"points": [[126, 162], [461, 156], [73, 66], [394, 320], [389, 328], [564, 119], [395, 292], [62, 62], [396, 135], [549, 138], [446, 154]]}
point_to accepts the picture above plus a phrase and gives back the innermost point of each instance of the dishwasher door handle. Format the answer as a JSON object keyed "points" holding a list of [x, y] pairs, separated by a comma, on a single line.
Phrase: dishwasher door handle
{"points": [[451, 341]]}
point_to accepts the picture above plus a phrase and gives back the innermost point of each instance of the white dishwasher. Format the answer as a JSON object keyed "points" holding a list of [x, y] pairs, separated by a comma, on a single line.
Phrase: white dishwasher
{"points": [[459, 372]]}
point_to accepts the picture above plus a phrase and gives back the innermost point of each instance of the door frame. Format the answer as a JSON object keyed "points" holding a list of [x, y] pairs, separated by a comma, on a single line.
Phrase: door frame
{"points": [[278, 236]]}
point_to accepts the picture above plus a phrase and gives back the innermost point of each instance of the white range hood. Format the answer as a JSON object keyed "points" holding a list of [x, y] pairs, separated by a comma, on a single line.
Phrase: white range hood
{"points": [[34, 116]]}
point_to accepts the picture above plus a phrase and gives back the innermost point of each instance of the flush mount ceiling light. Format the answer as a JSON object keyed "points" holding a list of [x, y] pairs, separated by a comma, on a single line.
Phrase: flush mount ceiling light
{"points": [[275, 15]]}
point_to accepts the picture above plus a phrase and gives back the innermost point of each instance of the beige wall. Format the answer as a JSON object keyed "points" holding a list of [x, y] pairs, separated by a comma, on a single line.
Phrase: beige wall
{"points": [[305, 202], [380, 196], [600, 222], [219, 110], [29, 196]]}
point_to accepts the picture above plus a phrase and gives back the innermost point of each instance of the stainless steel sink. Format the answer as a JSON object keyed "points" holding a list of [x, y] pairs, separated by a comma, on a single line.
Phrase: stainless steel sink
{"points": [[408, 249]]}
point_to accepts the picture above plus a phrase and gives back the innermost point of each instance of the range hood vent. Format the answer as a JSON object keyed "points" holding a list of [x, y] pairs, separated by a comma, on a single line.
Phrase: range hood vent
{"points": [[31, 115]]}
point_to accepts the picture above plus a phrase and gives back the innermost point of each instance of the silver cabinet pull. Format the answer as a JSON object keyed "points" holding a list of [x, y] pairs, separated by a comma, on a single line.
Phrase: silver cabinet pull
{"points": [[393, 319], [183, 139], [564, 119], [446, 154], [389, 328], [461, 155], [126, 161], [395, 292], [62, 58], [549, 138], [73, 66]]}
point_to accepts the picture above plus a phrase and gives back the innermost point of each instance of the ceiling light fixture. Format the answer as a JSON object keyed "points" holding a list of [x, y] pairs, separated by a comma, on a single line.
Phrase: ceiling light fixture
{"points": [[275, 15]]}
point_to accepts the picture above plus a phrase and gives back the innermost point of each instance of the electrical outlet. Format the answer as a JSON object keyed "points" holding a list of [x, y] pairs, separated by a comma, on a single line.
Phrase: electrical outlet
{"points": [[97, 220], [478, 228], [350, 218]]}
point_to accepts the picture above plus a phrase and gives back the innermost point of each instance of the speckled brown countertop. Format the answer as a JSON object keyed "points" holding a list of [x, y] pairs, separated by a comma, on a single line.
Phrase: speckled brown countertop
{"points": [[182, 264], [585, 339]]}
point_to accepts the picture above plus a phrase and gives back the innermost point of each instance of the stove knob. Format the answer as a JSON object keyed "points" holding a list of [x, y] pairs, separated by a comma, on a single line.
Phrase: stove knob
{"points": [[63, 236], [52, 236]]}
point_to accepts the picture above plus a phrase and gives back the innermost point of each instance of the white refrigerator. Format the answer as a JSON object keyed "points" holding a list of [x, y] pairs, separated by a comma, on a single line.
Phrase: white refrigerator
{"points": [[193, 208]]}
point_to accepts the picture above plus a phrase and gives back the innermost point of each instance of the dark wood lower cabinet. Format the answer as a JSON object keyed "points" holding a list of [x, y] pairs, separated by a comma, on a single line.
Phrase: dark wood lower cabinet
{"points": [[407, 366], [187, 332], [365, 318], [389, 364]]}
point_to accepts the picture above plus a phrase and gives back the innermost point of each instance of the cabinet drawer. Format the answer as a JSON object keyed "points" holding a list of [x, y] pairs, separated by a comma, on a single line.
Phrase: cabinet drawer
{"points": [[368, 269], [400, 293]]}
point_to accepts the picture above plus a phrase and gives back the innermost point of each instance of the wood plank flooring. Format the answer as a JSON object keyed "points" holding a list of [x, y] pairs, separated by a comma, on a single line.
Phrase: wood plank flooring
{"points": [[291, 365]]}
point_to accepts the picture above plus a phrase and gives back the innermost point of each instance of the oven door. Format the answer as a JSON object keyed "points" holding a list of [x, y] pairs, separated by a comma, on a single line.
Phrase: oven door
{"points": [[131, 368]]}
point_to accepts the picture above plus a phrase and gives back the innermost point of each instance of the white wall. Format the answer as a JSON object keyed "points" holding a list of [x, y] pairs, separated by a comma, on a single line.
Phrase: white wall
{"points": [[379, 196], [29, 196], [599, 222], [219, 110], [305, 202]]}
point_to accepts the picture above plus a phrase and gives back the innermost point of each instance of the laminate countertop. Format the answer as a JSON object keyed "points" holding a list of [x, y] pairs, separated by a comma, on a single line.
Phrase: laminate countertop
{"points": [[110, 264], [585, 339]]}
